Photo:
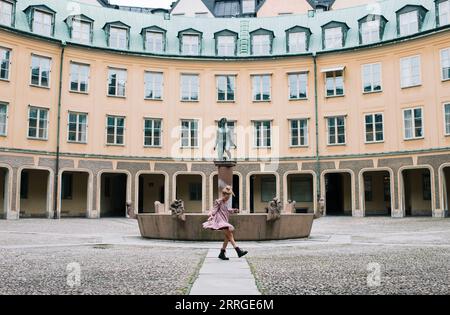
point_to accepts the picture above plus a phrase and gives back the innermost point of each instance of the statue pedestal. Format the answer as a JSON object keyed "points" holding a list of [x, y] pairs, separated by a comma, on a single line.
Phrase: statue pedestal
{"points": [[225, 176]]}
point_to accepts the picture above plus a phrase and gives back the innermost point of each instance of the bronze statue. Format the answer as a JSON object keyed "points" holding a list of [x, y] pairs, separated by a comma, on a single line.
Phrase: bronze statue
{"points": [[224, 140]]}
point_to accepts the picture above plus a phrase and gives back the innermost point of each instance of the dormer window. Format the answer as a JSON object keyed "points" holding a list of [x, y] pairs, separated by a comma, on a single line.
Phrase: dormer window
{"points": [[41, 19], [118, 35], [443, 7], [297, 39], [80, 28], [334, 35], [410, 19], [7, 8], [154, 39], [190, 42], [371, 28], [261, 42], [226, 43]]}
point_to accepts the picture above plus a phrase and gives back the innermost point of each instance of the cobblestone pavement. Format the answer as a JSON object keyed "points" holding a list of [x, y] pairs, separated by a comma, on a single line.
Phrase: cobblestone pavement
{"points": [[342, 254]]}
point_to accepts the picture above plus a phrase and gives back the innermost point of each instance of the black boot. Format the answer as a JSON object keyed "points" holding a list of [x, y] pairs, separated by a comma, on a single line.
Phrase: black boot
{"points": [[241, 252], [222, 255]]}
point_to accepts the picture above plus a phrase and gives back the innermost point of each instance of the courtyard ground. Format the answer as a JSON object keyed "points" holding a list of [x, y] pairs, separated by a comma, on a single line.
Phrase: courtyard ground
{"points": [[343, 256]]}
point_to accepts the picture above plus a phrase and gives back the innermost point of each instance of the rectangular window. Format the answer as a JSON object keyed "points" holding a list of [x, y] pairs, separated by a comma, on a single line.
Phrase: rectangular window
{"points": [[79, 77], [81, 31], [335, 83], [40, 71], [297, 42], [336, 130], [115, 130], [43, 23], [117, 79], [189, 133], [299, 132], [118, 38], [226, 85], [195, 191], [154, 41], [5, 61], [261, 88], [190, 45], [261, 45], [77, 127], [370, 32], [410, 71], [444, 13], [426, 185], [298, 85], [263, 134], [153, 85], [3, 119], [248, 6], [66, 186], [409, 23], [190, 87], [333, 38], [447, 119], [226, 45], [152, 132], [38, 123], [268, 188], [371, 77], [374, 128], [301, 189], [6, 13], [445, 64], [413, 123]]}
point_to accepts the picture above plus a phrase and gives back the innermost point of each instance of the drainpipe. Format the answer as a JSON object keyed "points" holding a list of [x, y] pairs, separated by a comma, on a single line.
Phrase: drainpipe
{"points": [[58, 130], [316, 109]]}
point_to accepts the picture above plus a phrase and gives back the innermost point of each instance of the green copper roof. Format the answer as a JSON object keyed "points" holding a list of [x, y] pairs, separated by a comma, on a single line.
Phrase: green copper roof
{"points": [[208, 26]]}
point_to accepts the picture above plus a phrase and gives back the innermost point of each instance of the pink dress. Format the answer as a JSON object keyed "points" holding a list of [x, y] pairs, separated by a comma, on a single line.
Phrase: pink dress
{"points": [[218, 217]]}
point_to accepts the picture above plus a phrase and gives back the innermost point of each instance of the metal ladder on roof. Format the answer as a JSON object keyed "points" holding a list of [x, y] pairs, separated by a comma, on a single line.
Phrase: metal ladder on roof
{"points": [[244, 38]]}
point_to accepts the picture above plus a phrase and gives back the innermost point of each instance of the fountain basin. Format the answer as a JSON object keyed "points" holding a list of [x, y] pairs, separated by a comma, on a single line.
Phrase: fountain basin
{"points": [[249, 227]]}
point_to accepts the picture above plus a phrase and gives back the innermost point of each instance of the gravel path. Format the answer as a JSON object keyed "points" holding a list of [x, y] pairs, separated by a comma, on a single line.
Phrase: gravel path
{"points": [[104, 270]]}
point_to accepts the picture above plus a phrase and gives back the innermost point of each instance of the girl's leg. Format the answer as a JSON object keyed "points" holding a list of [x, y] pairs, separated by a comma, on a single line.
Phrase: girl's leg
{"points": [[225, 241], [230, 237]]}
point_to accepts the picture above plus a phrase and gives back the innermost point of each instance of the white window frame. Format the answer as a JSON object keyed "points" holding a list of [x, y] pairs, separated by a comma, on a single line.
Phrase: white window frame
{"points": [[190, 138], [306, 133], [189, 47], [40, 25], [370, 31], [442, 12], [408, 22], [41, 59], [152, 137], [115, 44], [77, 65], [374, 132], [408, 82], [115, 130], [78, 124], [334, 84], [445, 63], [152, 76], [447, 119], [226, 48], [79, 33], [226, 76], [370, 68], [413, 123], [336, 133], [334, 38], [191, 88], [298, 86], [38, 120], [258, 144], [261, 45], [4, 16], [119, 79], [261, 87], [6, 105], [4, 49], [297, 42], [152, 45]]}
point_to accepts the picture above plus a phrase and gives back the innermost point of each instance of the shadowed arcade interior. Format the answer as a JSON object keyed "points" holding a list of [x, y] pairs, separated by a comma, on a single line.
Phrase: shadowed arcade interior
{"points": [[3, 191], [113, 195], [377, 193], [263, 188], [34, 193], [417, 192], [151, 189], [447, 188], [300, 188], [338, 188], [190, 190], [74, 194]]}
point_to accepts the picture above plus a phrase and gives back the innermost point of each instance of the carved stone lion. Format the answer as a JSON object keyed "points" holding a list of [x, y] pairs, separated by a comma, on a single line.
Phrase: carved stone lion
{"points": [[274, 210], [177, 209]]}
